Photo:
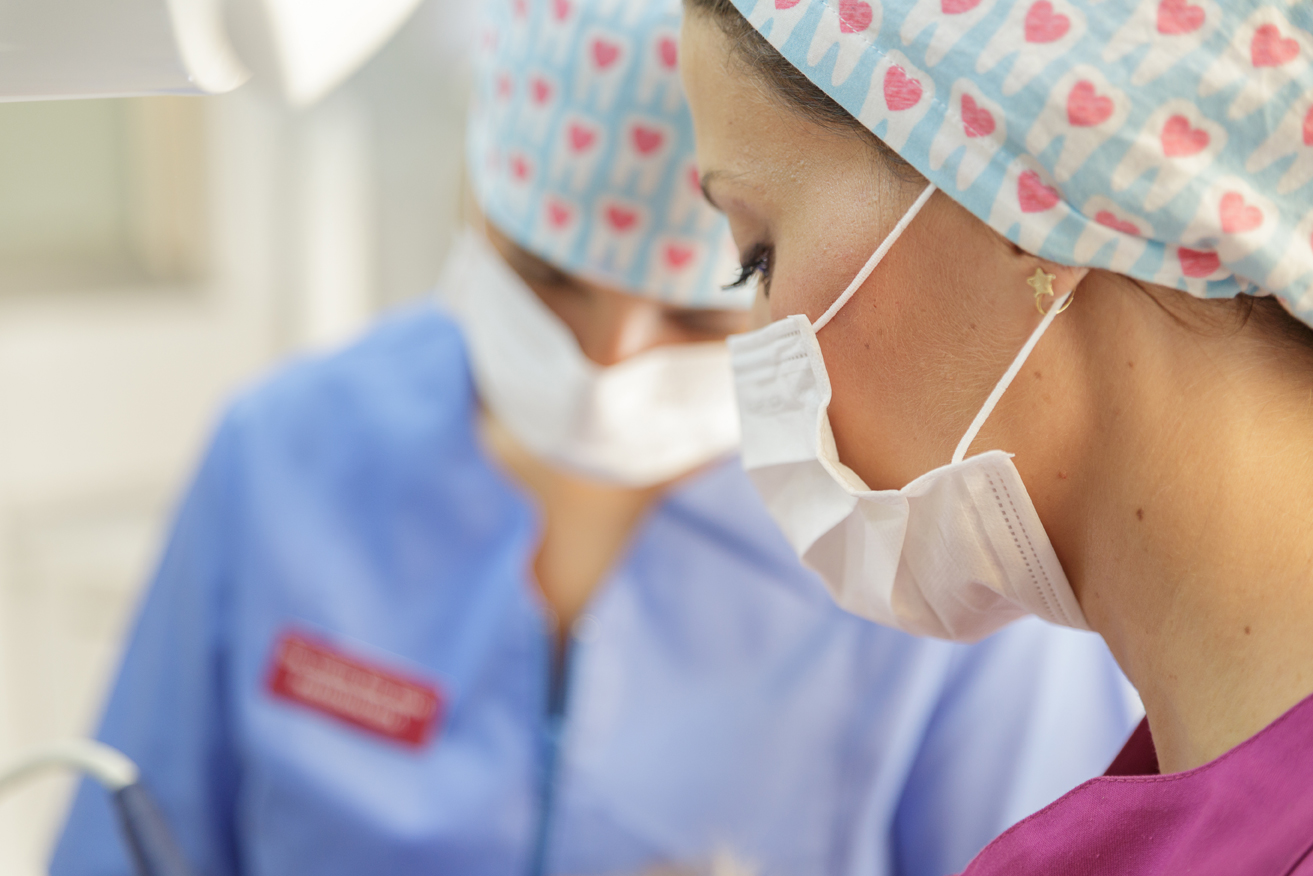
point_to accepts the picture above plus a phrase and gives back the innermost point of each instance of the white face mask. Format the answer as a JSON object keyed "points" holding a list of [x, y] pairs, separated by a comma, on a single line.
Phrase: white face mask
{"points": [[648, 419], [957, 553]]}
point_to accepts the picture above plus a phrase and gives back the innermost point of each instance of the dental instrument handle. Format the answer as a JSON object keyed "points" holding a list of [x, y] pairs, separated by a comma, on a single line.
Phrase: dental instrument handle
{"points": [[150, 842], [151, 845]]}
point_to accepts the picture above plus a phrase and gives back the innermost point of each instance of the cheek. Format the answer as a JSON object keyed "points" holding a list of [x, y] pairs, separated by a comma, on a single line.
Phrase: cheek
{"points": [[812, 267], [826, 226], [886, 350], [883, 356], [914, 355]]}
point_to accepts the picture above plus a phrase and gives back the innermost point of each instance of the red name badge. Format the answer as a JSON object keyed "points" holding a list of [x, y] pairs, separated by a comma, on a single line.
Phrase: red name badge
{"points": [[363, 694]]}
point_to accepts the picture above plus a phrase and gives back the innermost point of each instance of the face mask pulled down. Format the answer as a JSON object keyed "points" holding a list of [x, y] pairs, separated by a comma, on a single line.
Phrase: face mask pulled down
{"points": [[956, 554], [643, 421]]}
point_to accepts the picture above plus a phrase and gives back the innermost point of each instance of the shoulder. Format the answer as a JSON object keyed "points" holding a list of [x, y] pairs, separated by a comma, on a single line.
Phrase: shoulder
{"points": [[405, 380], [720, 506], [414, 354], [345, 466]]}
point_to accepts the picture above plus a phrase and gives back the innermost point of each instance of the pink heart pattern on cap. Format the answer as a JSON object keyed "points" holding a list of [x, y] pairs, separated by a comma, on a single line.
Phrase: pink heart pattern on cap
{"points": [[1270, 49], [1043, 25], [580, 146], [1179, 139], [900, 90], [854, 16], [976, 120], [1178, 17], [1200, 146], [1086, 107]]}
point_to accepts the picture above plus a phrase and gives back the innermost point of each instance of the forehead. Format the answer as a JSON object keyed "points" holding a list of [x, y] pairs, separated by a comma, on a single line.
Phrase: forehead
{"points": [[744, 130], [726, 97]]}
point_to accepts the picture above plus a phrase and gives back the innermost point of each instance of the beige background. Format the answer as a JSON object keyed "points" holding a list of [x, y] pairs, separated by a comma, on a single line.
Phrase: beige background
{"points": [[155, 255]]}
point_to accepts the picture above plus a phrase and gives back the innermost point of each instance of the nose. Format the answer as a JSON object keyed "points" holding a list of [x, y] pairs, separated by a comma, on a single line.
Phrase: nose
{"points": [[620, 326]]}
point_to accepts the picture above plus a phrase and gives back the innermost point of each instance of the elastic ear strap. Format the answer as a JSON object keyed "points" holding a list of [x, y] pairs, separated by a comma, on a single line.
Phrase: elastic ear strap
{"points": [[960, 453], [875, 258]]}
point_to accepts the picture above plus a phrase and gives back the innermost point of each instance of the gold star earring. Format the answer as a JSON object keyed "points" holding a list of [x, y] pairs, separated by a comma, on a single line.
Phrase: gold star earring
{"points": [[1042, 283]]}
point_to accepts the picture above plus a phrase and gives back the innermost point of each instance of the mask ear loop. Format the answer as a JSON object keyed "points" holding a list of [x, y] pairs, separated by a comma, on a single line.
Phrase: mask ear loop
{"points": [[875, 258], [1058, 306]]}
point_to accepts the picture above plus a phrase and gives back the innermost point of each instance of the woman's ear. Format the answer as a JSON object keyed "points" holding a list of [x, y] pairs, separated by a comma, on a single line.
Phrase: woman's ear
{"points": [[1066, 277], [1050, 281]]}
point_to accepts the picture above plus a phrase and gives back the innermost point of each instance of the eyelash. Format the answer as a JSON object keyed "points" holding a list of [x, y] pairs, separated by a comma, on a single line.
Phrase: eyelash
{"points": [[758, 263]]}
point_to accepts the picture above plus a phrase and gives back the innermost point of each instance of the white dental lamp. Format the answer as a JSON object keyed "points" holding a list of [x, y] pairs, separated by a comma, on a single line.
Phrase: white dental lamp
{"points": [[52, 49]]}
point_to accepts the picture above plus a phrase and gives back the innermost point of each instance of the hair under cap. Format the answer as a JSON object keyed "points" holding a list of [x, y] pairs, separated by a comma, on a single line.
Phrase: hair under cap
{"points": [[1169, 140], [580, 148]]}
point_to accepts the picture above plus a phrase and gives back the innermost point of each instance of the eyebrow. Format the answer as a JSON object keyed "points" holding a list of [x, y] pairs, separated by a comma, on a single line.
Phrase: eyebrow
{"points": [[707, 179], [720, 174]]}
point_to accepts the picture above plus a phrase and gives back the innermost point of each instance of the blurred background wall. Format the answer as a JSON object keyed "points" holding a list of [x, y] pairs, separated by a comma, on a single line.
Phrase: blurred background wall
{"points": [[157, 254]]}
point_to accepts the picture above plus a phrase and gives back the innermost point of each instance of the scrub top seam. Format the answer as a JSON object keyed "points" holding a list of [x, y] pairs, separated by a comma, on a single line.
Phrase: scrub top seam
{"points": [[1298, 859]]}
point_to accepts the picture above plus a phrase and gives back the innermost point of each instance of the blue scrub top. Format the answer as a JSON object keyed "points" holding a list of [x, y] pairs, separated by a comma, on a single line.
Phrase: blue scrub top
{"points": [[719, 701]]}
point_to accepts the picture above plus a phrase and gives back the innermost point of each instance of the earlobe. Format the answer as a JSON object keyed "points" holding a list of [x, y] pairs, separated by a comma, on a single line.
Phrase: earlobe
{"points": [[1054, 282], [1065, 277]]}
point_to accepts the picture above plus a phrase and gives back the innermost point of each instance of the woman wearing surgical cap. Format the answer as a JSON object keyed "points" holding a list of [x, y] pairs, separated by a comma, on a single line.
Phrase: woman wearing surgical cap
{"points": [[1043, 280], [487, 593]]}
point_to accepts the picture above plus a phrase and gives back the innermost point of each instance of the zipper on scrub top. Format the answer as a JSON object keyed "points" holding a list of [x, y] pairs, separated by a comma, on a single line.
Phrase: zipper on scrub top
{"points": [[557, 695]]}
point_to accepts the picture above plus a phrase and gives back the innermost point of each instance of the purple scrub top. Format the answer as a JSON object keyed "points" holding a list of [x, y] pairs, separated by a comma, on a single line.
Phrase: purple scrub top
{"points": [[1248, 812]]}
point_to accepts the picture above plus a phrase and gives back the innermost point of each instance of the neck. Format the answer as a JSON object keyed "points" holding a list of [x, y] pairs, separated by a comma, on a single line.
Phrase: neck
{"points": [[585, 524], [1194, 557]]}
